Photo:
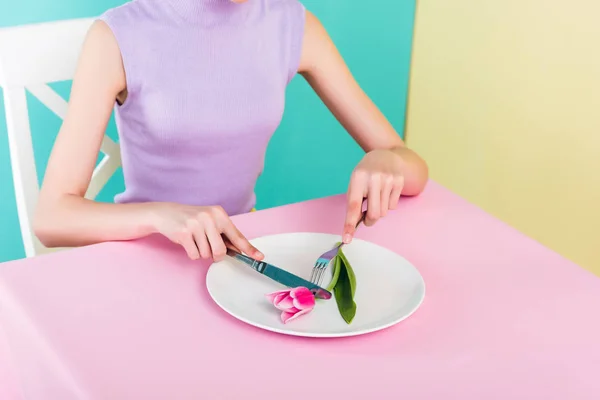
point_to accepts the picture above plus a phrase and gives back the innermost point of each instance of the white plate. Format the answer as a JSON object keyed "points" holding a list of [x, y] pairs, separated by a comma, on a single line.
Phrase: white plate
{"points": [[388, 288]]}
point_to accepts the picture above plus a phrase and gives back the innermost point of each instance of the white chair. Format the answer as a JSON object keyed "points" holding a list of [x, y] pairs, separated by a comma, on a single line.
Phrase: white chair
{"points": [[31, 56]]}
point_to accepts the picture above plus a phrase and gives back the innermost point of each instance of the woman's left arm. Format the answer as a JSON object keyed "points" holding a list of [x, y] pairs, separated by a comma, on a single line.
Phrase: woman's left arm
{"points": [[389, 169]]}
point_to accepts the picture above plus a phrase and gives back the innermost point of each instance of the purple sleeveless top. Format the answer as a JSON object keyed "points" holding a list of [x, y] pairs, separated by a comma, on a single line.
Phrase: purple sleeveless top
{"points": [[206, 84]]}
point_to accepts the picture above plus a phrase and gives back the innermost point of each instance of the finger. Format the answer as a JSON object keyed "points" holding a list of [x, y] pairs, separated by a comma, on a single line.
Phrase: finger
{"points": [[373, 201], [187, 242], [396, 193], [217, 245], [230, 245], [239, 240], [386, 191], [202, 243], [356, 194]]}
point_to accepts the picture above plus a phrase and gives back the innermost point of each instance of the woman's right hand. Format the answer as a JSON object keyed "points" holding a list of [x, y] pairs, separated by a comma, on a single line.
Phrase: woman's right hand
{"points": [[202, 231]]}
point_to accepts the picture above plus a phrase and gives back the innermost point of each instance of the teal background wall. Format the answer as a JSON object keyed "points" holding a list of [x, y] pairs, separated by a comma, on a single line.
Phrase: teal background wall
{"points": [[310, 155]]}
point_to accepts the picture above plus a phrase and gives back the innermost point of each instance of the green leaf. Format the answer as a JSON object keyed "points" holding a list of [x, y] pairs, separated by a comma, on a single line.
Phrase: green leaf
{"points": [[350, 271], [345, 287], [336, 273]]}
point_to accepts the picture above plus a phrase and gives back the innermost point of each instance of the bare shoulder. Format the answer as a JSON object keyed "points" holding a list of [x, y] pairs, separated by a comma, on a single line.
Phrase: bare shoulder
{"points": [[314, 31], [316, 44], [100, 38], [101, 57]]}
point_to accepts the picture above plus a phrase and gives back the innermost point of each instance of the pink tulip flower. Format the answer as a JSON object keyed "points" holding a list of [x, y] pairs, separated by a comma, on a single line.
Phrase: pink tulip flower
{"points": [[292, 302]]}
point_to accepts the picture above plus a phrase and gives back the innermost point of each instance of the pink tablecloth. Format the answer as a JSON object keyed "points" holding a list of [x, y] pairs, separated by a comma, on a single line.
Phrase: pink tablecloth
{"points": [[8, 382], [503, 318]]}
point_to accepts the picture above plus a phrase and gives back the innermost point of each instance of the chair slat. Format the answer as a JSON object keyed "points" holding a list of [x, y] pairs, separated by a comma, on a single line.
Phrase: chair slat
{"points": [[49, 98], [41, 53], [23, 165]]}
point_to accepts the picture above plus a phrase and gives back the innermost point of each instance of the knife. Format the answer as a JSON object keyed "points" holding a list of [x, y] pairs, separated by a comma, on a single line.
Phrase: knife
{"points": [[279, 275]]}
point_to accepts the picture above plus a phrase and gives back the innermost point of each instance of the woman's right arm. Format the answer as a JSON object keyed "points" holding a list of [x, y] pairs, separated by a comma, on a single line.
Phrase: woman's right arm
{"points": [[64, 218]]}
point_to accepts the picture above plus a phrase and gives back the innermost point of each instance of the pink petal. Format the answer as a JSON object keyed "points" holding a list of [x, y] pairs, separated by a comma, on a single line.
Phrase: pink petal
{"points": [[288, 316], [303, 298], [300, 291], [285, 303], [273, 296], [279, 298], [304, 302]]}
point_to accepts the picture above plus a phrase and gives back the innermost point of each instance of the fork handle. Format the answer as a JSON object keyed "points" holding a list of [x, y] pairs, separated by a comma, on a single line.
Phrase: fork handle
{"points": [[362, 219]]}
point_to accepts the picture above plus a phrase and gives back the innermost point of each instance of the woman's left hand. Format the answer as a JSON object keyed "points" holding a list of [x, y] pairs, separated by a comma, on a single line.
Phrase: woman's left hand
{"points": [[379, 178], [382, 175]]}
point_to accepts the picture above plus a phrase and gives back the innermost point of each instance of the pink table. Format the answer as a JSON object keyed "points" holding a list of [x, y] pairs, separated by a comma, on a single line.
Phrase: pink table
{"points": [[503, 318], [9, 389]]}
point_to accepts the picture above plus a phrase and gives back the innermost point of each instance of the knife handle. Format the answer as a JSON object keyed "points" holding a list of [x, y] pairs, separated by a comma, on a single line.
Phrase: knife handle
{"points": [[255, 264]]}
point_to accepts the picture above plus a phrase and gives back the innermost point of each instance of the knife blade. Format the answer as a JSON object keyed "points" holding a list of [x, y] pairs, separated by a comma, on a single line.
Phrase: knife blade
{"points": [[279, 275]]}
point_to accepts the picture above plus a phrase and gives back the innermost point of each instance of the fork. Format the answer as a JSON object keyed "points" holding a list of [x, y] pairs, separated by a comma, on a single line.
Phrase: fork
{"points": [[323, 261]]}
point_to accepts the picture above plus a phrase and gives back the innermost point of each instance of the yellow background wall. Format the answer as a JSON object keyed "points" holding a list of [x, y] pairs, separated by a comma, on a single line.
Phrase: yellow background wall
{"points": [[505, 106]]}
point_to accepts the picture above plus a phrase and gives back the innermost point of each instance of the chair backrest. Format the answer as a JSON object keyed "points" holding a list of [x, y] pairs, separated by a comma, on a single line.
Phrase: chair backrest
{"points": [[31, 56]]}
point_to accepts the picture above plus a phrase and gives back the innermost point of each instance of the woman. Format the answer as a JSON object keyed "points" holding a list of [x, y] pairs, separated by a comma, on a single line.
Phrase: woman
{"points": [[198, 89]]}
